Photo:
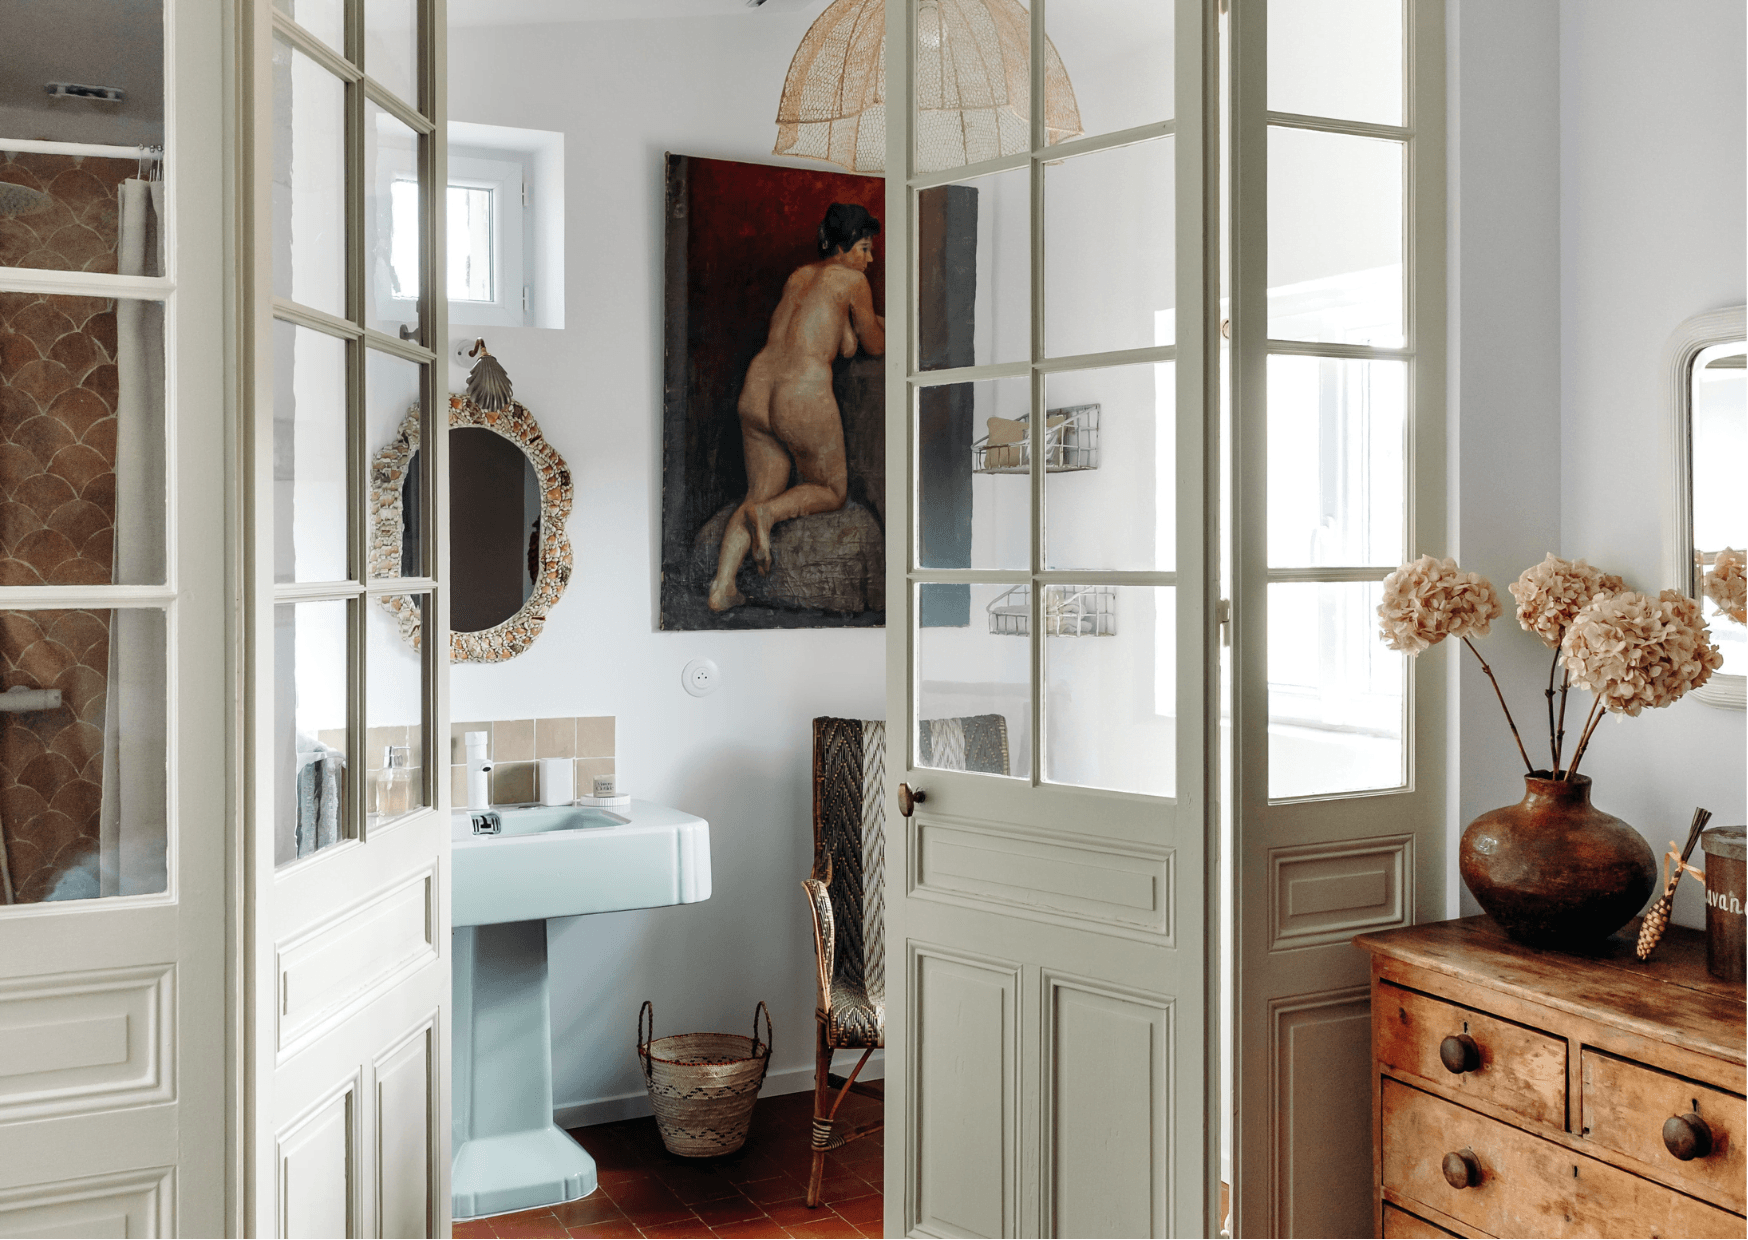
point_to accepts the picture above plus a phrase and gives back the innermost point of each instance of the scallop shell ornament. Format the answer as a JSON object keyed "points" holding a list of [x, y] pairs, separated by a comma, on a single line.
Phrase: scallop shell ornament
{"points": [[487, 384]]}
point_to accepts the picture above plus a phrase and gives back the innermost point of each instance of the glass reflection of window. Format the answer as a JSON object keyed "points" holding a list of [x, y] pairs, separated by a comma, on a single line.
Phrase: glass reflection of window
{"points": [[1720, 448]]}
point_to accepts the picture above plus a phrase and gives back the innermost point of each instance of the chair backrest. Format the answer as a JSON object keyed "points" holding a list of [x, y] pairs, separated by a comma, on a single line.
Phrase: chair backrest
{"points": [[849, 830]]}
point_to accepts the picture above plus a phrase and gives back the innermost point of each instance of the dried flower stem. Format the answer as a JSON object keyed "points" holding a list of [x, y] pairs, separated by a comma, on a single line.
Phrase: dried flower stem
{"points": [[1553, 745], [1590, 722], [1560, 729], [1510, 722]]}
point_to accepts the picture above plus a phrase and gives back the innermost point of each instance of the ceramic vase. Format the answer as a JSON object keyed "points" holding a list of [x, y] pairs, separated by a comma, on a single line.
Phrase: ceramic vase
{"points": [[1554, 870]]}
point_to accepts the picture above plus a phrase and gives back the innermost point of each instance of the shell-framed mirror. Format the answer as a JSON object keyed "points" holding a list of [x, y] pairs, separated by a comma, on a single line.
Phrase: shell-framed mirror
{"points": [[509, 499], [1708, 529]]}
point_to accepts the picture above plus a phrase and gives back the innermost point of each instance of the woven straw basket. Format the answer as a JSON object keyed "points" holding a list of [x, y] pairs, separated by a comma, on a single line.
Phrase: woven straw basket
{"points": [[703, 1085]]}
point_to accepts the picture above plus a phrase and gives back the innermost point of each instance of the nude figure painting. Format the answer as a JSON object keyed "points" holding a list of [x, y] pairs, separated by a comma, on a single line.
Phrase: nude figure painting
{"points": [[773, 496]]}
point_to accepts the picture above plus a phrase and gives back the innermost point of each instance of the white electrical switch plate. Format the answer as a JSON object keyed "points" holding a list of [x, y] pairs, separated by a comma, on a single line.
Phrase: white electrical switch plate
{"points": [[700, 677]]}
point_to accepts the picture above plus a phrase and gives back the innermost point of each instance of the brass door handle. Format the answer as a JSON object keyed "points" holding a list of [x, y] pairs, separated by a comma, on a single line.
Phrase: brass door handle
{"points": [[1462, 1169], [909, 798]]}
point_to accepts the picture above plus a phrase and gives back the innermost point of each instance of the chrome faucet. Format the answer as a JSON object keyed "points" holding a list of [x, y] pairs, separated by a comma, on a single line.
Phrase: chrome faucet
{"points": [[487, 823]]}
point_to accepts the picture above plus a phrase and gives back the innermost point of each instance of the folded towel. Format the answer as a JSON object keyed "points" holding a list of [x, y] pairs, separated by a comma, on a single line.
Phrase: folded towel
{"points": [[321, 774]]}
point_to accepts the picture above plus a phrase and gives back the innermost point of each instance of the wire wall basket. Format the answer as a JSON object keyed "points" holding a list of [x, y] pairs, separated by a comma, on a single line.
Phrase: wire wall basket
{"points": [[1071, 442], [1069, 611]]}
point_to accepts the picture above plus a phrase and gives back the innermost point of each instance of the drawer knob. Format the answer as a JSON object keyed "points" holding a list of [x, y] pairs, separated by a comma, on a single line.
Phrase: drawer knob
{"points": [[1687, 1136], [1459, 1054], [1462, 1169]]}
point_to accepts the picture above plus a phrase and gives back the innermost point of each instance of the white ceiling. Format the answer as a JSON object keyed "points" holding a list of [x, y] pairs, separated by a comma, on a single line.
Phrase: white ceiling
{"points": [[530, 12]]}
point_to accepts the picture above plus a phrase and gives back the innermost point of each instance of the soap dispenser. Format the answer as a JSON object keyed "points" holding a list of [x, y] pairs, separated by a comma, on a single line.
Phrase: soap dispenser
{"points": [[479, 795]]}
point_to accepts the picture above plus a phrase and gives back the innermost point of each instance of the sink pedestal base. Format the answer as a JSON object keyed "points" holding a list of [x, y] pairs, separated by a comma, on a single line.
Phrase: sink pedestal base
{"points": [[509, 1155]]}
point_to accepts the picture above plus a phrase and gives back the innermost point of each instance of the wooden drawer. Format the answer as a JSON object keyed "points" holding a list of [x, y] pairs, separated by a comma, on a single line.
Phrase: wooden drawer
{"points": [[1625, 1105], [1527, 1186], [1522, 1070], [1401, 1225]]}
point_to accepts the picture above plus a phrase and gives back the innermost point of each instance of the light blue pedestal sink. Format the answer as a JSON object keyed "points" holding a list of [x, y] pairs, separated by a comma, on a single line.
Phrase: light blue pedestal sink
{"points": [[546, 862]]}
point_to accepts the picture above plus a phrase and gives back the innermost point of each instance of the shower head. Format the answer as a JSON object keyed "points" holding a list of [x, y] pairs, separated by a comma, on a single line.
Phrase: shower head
{"points": [[20, 199]]}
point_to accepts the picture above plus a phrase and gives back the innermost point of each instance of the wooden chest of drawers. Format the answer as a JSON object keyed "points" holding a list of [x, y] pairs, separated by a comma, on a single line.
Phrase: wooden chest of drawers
{"points": [[1519, 1092]]}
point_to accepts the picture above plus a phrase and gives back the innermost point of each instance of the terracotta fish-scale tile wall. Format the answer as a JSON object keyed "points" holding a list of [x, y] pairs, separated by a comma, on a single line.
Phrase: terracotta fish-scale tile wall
{"points": [[57, 513], [75, 230]]}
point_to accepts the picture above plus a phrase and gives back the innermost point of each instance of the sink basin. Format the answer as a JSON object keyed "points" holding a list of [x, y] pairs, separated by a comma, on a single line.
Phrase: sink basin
{"points": [[546, 861], [562, 860]]}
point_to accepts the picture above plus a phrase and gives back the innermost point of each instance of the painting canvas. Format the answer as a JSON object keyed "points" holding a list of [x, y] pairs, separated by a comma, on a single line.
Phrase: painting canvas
{"points": [[774, 456]]}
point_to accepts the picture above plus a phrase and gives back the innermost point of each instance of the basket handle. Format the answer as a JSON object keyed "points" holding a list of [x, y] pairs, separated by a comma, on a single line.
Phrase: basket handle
{"points": [[761, 1009], [644, 1039]]}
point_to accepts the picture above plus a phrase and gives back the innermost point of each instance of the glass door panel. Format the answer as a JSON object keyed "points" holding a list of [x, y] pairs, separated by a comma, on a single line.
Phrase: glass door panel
{"points": [[1336, 234], [394, 710], [974, 679], [974, 501], [310, 473], [312, 740], [974, 272], [391, 432], [391, 46], [1122, 54], [973, 83], [309, 182], [81, 440], [1337, 444], [82, 754], [393, 206], [1110, 687], [1109, 243], [1339, 58], [1110, 462]]}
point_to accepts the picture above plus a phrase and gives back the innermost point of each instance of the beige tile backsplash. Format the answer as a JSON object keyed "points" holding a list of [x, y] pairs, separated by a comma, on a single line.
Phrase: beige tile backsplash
{"points": [[515, 744]]}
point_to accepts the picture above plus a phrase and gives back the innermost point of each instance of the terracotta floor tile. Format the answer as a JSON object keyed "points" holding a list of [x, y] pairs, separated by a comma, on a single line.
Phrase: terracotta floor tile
{"points": [[862, 1210], [618, 1229], [727, 1211], [872, 1229], [473, 1229], [689, 1230], [833, 1226], [762, 1229], [789, 1213], [597, 1207], [843, 1186], [527, 1225], [777, 1189]]}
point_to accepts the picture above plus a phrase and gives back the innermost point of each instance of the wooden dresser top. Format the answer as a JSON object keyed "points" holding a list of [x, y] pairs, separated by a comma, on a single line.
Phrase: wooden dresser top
{"points": [[1670, 998]]}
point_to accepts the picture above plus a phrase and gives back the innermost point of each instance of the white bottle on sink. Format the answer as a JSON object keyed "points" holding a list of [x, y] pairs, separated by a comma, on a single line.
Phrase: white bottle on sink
{"points": [[479, 792]]}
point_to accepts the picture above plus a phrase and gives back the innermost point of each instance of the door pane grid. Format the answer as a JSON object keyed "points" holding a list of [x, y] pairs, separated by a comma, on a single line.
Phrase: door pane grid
{"points": [[1339, 376], [349, 774], [1043, 600]]}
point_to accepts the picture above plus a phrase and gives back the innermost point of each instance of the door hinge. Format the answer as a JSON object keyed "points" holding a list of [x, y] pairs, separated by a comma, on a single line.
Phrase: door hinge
{"points": [[524, 193], [525, 299], [1223, 618]]}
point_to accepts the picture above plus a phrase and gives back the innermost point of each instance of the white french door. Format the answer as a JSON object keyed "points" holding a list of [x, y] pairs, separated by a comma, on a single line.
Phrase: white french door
{"points": [[1052, 398], [346, 909], [113, 630], [1337, 225]]}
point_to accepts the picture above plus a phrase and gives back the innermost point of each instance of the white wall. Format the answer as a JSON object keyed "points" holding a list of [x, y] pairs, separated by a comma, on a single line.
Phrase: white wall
{"points": [[1596, 201], [1652, 215], [623, 93]]}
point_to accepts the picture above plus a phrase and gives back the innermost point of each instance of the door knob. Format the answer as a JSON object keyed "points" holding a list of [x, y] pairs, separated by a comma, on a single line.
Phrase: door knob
{"points": [[1462, 1169], [1459, 1054], [909, 798], [1687, 1136]]}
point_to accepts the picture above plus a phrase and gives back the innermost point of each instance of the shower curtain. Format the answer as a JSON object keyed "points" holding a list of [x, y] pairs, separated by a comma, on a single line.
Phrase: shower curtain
{"points": [[133, 814]]}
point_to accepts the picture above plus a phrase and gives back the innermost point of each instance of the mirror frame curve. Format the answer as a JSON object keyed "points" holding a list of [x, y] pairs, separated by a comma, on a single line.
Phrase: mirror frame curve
{"points": [[1689, 340], [388, 471]]}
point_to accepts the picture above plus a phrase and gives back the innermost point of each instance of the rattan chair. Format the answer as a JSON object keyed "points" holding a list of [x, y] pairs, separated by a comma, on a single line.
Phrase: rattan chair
{"points": [[846, 894]]}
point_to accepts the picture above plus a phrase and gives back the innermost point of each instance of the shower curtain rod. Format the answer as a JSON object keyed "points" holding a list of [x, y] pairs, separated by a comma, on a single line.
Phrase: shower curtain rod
{"points": [[34, 147]]}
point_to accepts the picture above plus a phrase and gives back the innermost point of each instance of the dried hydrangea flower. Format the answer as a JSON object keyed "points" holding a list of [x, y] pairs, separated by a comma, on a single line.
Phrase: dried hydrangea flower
{"points": [[1429, 599], [1549, 594], [1727, 586], [1634, 651]]}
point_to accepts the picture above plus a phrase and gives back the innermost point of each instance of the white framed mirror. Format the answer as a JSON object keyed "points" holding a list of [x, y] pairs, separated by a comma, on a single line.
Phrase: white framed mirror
{"points": [[1708, 530]]}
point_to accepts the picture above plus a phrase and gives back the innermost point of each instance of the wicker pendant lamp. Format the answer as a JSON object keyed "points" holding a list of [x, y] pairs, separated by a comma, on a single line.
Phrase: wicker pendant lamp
{"points": [[973, 82]]}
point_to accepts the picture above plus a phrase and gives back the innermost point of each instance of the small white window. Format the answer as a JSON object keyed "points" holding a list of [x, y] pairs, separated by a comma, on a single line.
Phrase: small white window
{"points": [[505, 224]]}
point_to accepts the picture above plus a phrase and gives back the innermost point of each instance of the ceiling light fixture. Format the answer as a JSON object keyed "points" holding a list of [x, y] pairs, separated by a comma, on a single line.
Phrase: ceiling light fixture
{"points": [[973, 86]]}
